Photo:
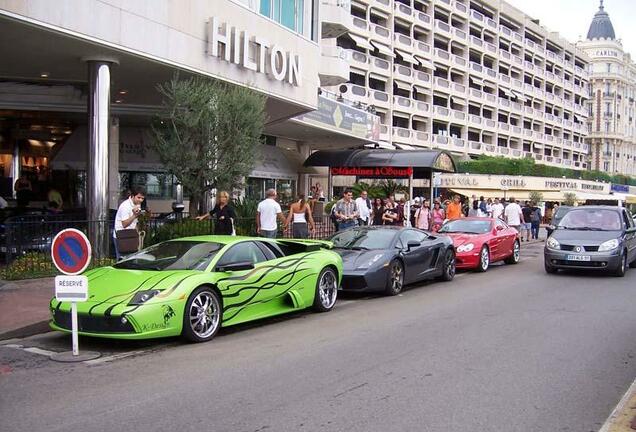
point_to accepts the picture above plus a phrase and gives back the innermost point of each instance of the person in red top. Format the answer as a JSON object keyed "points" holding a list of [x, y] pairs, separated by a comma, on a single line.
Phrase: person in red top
{"points": [[454, 209]]}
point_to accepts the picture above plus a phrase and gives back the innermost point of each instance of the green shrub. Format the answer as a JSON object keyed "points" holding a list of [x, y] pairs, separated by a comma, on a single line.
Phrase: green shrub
{"points": [[182, 228], [37, 265]]}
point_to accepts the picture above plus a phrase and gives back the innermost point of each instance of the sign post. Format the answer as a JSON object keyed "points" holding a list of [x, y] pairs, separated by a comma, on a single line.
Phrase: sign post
{"points": [[71, 254]]}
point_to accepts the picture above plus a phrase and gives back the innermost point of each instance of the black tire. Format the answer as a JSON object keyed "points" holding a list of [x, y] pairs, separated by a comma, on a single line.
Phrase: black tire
{"points": [[194, 326], [549, 269], [516, 254], [622, 269], [395, 278], [326, 291], [448, 271], [484, 259], [632, 264]]}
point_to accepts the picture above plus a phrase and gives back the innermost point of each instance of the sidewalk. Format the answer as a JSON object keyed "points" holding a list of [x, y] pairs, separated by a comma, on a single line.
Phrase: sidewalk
{"points": [[24, 307]]}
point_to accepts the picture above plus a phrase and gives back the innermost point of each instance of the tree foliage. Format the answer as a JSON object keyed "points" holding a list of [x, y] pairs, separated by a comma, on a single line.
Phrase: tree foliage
{"points": [[569, 199], [208, 134], [528, 167]]}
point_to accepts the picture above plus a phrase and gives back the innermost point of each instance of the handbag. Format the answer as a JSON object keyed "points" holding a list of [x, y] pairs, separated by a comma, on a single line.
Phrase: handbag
{"points": [[127, 240]]}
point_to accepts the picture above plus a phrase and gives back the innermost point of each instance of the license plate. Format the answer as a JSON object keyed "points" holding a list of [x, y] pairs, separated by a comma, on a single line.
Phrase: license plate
{"points": [[578, 257]]}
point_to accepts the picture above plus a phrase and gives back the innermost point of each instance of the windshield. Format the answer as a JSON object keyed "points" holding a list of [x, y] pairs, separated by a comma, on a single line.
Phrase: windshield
{"points": [[466, 226], [591, 220], [173, 255], [364, 239]]}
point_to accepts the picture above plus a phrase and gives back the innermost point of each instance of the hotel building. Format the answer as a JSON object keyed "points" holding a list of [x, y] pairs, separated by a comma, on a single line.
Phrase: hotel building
{"points": [[470, 76], [612, 120]]}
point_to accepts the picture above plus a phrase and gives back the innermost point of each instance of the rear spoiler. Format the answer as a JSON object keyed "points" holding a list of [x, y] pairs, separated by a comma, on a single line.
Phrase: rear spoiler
{"points": [[311, 245]]}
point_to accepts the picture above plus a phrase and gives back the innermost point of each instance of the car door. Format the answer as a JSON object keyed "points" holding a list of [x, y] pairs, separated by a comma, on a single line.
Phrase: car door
{"points": [[417, 260], [630, 235], [243, 288], [497, 243]]}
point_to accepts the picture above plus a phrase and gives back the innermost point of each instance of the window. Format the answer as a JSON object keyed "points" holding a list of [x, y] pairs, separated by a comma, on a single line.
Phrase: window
{"points": [[289, 13], [609, 67], [606, 166], [245, 251], [412, 235]]}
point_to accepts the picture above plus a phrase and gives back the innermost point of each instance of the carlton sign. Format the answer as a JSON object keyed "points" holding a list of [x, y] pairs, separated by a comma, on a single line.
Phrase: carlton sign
{"points": [[252, 52], [373, 172]]}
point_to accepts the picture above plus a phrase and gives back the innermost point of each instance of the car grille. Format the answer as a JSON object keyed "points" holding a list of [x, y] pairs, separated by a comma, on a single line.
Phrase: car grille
{"points": [[353, 282], [93, 324], [599, 264], [584, 248]]}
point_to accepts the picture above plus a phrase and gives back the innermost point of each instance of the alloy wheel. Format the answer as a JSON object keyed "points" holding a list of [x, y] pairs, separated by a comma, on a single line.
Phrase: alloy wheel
{"points": [[204, 314], [397, 277], [328, 289]]}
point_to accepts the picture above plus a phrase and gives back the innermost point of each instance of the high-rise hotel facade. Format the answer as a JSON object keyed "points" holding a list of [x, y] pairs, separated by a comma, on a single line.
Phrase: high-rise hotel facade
{"points": [[473, 77], [612, 120]]}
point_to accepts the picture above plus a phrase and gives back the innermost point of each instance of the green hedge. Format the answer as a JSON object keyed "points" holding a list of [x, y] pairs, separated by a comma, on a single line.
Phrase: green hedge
{"points": [[37, 265], [528, 167]]}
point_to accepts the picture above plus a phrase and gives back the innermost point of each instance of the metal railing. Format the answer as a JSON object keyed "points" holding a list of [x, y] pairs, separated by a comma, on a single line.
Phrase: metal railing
{"points": [[30, 238]]}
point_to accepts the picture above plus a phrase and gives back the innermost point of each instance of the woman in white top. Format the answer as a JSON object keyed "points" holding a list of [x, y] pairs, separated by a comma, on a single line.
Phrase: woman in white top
{"points": [[300, 213]]}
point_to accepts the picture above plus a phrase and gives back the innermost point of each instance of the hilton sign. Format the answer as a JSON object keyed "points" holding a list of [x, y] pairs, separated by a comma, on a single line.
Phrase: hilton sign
{"points": [[252, 52]]}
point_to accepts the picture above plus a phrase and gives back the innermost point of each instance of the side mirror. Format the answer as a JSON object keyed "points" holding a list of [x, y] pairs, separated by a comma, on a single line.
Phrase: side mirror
{"points": [[235, 266], [413, 244], [499, 228], [551, 227]]}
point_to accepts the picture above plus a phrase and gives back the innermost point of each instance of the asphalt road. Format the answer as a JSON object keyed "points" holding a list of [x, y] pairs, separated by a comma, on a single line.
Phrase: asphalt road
{"points": [[510, 350]]}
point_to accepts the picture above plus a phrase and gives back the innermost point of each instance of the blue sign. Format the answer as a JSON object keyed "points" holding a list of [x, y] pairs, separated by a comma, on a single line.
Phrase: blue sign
{"points": [[620, 188]]}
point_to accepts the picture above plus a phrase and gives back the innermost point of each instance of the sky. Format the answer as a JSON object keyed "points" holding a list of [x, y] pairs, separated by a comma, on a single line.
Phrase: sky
{"points": [[572, 18]]}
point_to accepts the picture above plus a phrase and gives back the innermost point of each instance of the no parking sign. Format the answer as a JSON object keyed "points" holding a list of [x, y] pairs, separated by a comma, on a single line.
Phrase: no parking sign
{"points": [[71, 251]]}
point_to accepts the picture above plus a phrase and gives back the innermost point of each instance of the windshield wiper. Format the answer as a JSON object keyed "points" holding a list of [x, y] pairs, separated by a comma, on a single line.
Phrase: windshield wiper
{"points": [[582, 228], [359, 248]]}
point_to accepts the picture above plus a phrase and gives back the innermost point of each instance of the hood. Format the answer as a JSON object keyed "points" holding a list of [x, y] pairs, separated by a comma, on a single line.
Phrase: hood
{"points": [[463, 238], [111, 285], [583, 238], [353, 259]]}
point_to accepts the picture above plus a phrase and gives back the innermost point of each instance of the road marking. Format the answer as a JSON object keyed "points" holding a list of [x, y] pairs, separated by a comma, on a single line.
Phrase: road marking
{"points": [[32, 350], [114, 357], [619, 410]]}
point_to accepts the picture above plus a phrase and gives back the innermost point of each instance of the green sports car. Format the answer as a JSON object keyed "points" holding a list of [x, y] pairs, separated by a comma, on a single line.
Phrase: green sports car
{"points": [[193, 286]]}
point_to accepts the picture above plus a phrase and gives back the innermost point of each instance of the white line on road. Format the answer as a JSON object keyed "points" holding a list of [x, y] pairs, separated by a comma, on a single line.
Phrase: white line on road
{"points": [[114, 357], [619, 408], [32, 350]]}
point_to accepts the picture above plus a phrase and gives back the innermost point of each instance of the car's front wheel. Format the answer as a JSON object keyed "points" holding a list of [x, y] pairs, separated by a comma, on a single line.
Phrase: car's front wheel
{"points": [[549, 268], [516, 254], [622, 267], [395, 278], [448, 272], [202, 315], [326, 290], [484, 259]]}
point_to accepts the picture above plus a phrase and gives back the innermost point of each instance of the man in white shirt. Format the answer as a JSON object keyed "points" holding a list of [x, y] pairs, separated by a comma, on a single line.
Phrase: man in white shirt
{"points": [[497, 209], [267, 212], [514, 215], [364, 208], [127, 213]]}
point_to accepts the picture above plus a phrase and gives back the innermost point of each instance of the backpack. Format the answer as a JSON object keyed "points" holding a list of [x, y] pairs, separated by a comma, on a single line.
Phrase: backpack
{"points": [[535, 216]]}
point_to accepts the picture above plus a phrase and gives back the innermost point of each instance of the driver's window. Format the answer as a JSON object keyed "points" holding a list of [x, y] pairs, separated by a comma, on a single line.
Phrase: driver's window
{"points": [[411, 235], [629, 222], [500, 223], [245, 251]]}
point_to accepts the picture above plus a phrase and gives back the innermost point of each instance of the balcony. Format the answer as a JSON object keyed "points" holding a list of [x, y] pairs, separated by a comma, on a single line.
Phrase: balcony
{"points": [[490, 72], [442, 55], [380, 33], [403, 11], [334, 65], [476, 93], [360, 26], [404, 73], [379, 98], [477, 16], [460, 8], [517, 60], [380, 66], [423, 19], [490, 47], [384, 133], [459, 33], [402, 41], [491, 23], [443, 28], [402, 104], [422, 47], [441, 111], [459, 88], [505, 55], [422, 78], [503, 126], [402, 134], [441, 140], [441, 82], [503, 150], [422, 138], [458, 60], [475, 41], [475, 119], [475, 67], [383, 5], [475, 146], [422, 107], [359, 59], [335, 17], [490, 97], [354, 93], [458, 115], [505, 31]]}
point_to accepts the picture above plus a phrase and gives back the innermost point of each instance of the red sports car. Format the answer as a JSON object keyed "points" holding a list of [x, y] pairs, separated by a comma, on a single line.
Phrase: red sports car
{"points": [[480, 241]]}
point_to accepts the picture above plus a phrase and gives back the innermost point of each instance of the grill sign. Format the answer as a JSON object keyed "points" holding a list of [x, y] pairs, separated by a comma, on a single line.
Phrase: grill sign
{"points": [[373, 172]]}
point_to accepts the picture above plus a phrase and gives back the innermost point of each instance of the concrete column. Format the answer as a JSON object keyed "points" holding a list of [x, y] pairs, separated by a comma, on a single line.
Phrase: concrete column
{"points": [[113, 164], [16, 165], [98, 143], [303, 179]]}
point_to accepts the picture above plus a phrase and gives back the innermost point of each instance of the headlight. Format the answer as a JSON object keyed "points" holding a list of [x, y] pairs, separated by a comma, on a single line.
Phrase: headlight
{"points": [[552, 243], [370, 262], [142, 297], [608, 245], [465, 247]]}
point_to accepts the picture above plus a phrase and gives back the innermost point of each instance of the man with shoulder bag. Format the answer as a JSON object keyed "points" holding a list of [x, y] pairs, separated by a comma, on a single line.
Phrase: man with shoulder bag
{"points": [[126, 236]]}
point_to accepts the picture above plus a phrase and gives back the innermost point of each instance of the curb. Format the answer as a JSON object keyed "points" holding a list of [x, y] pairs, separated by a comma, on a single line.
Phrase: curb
{"points": [[621, 419], [29, 330]]}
